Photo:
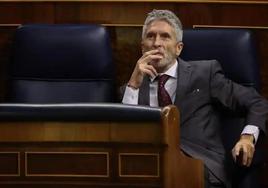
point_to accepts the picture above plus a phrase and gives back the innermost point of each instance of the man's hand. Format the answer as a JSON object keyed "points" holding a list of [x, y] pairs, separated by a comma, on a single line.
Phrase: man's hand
{"points": [[144, 67], [246, 146]]}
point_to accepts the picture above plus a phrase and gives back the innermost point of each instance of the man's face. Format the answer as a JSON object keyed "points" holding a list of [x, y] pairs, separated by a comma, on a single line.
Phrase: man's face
{"points": [[161, 35]]}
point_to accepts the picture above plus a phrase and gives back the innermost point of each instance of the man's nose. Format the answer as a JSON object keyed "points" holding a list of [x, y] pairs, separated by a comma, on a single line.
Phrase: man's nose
{"points": [[157, 41]]}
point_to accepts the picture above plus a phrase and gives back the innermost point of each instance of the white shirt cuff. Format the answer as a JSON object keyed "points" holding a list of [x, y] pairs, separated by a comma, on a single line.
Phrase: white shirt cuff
{"points": [[252, 129], [131, 96]]}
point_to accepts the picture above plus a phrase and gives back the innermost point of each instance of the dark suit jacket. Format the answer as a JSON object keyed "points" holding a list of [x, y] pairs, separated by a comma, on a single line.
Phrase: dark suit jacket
{"points": [[201, 87]]}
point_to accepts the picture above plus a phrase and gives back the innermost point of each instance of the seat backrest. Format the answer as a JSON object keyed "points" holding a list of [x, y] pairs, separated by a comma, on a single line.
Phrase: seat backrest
{"points": [[235, 49], [61, 64]]}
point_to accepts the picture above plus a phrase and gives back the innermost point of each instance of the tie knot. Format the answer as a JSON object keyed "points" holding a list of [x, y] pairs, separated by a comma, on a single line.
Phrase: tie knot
{"points": [[163, 79]]}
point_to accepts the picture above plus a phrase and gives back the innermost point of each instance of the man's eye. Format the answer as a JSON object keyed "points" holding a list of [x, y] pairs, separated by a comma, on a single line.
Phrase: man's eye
{"points": [[150, 36]]}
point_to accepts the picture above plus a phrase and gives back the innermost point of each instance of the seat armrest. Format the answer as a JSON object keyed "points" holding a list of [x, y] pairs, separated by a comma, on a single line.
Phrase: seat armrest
{"points": [[78, 112]]}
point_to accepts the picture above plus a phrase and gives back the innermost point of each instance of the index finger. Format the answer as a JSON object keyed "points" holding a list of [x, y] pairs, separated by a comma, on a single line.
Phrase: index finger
{"points": [[150, 52]]}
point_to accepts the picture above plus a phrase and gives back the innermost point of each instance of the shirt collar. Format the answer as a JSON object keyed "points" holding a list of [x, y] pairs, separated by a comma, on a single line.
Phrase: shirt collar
{"points": [[172, 72]]}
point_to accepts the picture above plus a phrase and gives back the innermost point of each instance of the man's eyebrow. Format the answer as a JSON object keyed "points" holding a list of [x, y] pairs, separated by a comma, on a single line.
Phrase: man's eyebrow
{"points": [[161, 33], [150, 32], [165, 33]]}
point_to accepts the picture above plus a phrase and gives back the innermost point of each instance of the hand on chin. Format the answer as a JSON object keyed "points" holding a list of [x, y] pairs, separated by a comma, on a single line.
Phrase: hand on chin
{"points": [[155, 62]]}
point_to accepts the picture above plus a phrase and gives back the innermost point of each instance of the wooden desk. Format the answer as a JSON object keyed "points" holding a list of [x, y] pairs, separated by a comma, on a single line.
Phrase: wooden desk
{"points": [[96, 154]]}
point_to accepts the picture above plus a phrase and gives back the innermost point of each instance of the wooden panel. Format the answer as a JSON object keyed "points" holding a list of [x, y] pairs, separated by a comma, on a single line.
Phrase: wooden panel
{"points": [[115, 12], [53, 131], [228, 14], [106, 13], [135, 132], [9, 164], [67, 164], [139, 165], [79, 132], [21, 13]]}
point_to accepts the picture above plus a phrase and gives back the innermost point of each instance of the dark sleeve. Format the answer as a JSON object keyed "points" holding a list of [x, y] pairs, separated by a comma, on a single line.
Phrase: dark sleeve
{"points": [[238, 98]]}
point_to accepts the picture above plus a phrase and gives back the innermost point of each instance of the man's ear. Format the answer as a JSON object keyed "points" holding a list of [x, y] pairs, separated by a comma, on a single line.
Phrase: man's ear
{"points": [[179, 48]]}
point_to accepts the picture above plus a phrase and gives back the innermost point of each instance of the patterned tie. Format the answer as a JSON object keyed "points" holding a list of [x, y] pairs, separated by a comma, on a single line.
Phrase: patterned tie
{"points": [[163, 96]]}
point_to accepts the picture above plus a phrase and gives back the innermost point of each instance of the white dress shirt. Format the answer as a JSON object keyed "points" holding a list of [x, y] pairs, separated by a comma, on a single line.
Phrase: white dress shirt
{"points": [[131, 96]]}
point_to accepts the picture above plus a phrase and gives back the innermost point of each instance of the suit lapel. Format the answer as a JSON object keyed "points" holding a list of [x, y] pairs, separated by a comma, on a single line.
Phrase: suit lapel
{"points": [[184, 75], [183, 82]]}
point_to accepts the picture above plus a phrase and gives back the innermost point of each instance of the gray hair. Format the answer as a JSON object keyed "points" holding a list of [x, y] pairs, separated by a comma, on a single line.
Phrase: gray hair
{"points": [[167, 16]]}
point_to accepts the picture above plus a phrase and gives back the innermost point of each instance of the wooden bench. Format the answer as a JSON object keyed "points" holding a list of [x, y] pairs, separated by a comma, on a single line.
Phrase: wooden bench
{"points": [[93, 145]]}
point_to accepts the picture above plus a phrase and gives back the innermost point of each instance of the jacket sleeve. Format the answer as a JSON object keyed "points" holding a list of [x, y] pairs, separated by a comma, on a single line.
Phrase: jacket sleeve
{"points": [[238, 98]]}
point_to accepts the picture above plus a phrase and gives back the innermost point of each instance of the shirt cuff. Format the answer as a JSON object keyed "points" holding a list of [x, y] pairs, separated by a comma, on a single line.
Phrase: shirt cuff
{"points": [[131, 96], [253, 130]]}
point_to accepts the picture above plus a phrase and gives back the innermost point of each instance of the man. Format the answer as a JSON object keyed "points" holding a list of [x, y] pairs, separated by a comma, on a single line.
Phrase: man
{"points": [[161, 78]]}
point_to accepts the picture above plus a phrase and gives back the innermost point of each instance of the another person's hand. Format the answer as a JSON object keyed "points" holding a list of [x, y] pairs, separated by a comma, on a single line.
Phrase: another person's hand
{"points": [[144, 67], [244, 146]]}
